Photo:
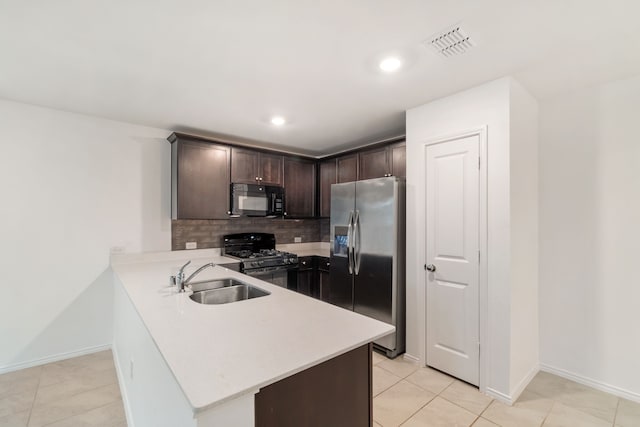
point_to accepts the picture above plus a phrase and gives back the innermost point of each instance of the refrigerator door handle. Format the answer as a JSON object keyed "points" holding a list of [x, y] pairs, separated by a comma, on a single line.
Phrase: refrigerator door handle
{"points": [[350, 243], [356, 242]]}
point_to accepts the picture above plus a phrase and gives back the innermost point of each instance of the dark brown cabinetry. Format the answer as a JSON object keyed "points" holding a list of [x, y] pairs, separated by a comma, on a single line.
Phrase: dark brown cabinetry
{"points": [[299, 187], [332, 171], [251, 166], [374, 163], [306, 275], [327, 177], [334, 393], [382, 161], [347, 168], [202, 170], [199, 180], [323, 277], [399, 160], [313, 276]]}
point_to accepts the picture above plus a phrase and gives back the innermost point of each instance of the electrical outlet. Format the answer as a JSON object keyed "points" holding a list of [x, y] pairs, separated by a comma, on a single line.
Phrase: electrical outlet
{"points": [[131, 368], [297, 240], [192, 245]]}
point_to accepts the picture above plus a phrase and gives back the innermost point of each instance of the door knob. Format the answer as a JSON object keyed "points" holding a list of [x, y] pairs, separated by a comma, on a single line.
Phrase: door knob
{"points": [[431, 268]]}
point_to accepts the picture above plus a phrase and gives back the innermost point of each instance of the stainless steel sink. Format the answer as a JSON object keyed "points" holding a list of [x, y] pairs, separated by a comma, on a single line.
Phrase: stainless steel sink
{"points": [[224, 291], [206, 285]]}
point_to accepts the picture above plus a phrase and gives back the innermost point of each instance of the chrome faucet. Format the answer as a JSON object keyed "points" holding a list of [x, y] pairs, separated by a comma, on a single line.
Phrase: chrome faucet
{"points": [[179, 280]]}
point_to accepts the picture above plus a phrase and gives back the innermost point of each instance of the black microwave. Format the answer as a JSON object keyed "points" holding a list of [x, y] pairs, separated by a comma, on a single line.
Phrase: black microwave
{"points": [[257, 200]]}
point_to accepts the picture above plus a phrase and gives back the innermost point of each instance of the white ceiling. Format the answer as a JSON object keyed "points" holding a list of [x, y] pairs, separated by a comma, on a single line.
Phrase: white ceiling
{"points": [[224, 67]]}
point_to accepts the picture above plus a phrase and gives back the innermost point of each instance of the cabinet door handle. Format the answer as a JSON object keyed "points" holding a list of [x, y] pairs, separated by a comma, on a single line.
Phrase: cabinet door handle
{"points": [[257, 179]]}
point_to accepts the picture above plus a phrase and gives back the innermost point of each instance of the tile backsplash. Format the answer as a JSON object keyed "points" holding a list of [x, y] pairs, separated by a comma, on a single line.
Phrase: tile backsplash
{"points": [[208, 233]]}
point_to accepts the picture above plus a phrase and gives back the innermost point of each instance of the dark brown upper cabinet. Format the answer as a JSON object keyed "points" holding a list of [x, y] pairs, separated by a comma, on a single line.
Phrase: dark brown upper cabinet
{"points": [[199, 180], [374, 163], [328, 176], [399, 159], [299, 187], [347, 168], [251, 167], [382, 161]]}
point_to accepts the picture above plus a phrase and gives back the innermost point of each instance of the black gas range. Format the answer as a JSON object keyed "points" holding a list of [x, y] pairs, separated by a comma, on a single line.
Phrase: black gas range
{"points": [[259, 258]]}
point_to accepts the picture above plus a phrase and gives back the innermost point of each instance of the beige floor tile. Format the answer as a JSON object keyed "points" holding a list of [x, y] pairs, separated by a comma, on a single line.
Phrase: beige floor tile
{"points": [[17, 386], [377, 358], [22, 374], [15, 420], [628, 414], [106, 416], [481, 422], [382, 380], [398, 403], [375, 424], [55, 373], [430, 379], [548, 385], [597, 403], [83, 402], [564, 416], [96, 361], [15, 403], [462, 394], [66, 389], [399, 366], [441, 413], [529, 411]]}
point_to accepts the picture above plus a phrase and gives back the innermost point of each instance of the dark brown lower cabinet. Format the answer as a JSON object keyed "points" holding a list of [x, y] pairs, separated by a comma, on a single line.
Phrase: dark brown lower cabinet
{"points": [[313, 276], [334, 393]]}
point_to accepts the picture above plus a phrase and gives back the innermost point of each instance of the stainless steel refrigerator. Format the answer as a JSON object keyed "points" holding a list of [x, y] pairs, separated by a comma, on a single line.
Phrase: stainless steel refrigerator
{"points": [[367, 271]]}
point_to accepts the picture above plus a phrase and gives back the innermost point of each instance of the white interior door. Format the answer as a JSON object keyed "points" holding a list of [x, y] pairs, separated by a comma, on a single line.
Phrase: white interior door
{"points": [[452, 251]]}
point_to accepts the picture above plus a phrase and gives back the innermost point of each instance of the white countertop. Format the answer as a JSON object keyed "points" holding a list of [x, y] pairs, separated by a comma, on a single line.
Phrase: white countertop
{"points": [[219, 352], [306, 249]]}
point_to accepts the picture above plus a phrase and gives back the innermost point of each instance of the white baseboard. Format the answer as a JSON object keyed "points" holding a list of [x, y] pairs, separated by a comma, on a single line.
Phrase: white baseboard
{"points": [[513, 398], [598, 385], [54, 358], [524, 382], [123, 389], [498, 396], [411, 358]]}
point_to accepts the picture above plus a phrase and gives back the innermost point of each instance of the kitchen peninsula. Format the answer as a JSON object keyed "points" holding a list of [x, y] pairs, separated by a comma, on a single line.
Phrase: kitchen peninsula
{"points": [[240, 363]]}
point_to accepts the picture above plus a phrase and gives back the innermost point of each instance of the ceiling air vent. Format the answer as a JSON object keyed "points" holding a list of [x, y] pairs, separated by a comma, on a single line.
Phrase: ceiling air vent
{"points": [[451, 42]]}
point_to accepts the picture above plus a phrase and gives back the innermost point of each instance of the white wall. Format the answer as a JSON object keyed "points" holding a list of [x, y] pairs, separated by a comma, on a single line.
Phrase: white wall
{"points": [[510, 116], [73, 186], [486, 105], [590, 235], [151, 395], [523, 173]]}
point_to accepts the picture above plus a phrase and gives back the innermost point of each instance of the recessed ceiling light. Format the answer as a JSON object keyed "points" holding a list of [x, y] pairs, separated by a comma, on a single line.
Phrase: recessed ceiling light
{"points": [[278, 121], [390, 64]]}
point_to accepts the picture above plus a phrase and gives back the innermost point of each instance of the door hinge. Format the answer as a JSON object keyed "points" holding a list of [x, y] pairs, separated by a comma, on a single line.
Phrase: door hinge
{"points": [[478, 163], [478, 257]]}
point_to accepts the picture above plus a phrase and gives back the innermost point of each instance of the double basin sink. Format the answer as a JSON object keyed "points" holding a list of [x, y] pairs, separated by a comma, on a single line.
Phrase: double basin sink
{"points": [[224, 291]]}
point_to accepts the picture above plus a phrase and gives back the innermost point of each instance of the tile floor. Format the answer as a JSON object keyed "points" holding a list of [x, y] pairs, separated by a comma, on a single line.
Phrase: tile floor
{"points": [[84, 392], [77, 392], [407, 395]]}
